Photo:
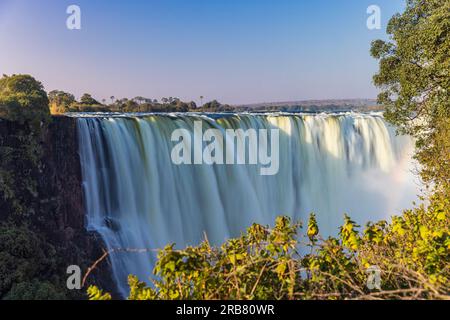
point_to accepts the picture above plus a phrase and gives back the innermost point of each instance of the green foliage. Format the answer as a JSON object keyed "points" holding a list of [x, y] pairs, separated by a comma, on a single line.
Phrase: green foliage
{"points": [[313, 228], [434, 155], [32, 263], [412, 252], [87, 99], [25, 257], [60, 101], [23, 99], [29, 259], [35, 290], [233, 270], [414, 76], [349, 234], [95, 294], [20, 155]]}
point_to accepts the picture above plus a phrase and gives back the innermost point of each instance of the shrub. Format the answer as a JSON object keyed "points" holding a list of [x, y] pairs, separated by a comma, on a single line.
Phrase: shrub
{"points": [[23, 99], [411, 252]]}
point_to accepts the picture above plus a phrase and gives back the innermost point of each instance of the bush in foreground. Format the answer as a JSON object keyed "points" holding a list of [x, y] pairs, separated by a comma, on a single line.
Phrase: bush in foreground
{"points": [[411, 252]]}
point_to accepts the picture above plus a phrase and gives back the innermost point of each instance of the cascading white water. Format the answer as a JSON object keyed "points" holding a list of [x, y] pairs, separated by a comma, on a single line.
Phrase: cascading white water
{"points": [[136, 197]]}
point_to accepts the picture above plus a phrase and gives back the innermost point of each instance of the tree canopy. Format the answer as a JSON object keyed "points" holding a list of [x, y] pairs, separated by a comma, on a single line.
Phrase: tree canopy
{"points": [[87, 99], [23, 98], [60, 101], [414, 77]]}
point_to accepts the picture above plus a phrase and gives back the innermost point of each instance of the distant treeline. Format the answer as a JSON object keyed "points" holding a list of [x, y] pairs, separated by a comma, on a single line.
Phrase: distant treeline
{"points": [[62, 102], [312, 108], [330, 105]]}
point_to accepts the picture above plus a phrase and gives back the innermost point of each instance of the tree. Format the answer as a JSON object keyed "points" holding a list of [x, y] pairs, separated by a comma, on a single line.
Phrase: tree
{"points": [[112, 99], [212, 105], [141, 101], [201, 100], [181, 106], [23, 98], [192, 105], [86, 99], [414, 77], [130, 106], [60, 101]]}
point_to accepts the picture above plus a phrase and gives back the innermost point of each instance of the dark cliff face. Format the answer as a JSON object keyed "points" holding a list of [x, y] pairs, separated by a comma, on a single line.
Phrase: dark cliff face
{"points": [[57, 203], [62, 183], [61, 180]]}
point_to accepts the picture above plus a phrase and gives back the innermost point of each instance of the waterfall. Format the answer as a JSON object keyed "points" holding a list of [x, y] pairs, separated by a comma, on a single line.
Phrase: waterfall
{"points": [[136, 197]]}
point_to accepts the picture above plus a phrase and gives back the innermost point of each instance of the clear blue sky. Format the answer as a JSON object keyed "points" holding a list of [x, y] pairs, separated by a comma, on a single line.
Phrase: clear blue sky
{"points": [[236, 51]]}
